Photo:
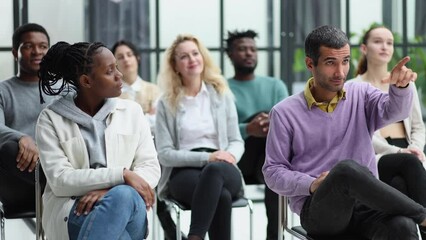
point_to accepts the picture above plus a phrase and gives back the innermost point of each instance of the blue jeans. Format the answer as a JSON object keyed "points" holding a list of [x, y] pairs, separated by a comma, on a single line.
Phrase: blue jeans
{"points": [[352, 200], [120, 214]]}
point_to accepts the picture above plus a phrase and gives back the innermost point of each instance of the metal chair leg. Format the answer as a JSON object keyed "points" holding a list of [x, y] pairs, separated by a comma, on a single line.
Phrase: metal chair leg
{"points": [[39, 204], [178, 232], [250, 205], [2, 234], [280, 218]]}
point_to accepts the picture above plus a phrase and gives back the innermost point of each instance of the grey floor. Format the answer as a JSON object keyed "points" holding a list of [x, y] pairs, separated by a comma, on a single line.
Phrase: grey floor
{"points": [[18, 230]]}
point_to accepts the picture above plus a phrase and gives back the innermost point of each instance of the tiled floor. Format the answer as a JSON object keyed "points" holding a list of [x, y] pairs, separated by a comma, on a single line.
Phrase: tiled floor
{"points": [[18, 230]]}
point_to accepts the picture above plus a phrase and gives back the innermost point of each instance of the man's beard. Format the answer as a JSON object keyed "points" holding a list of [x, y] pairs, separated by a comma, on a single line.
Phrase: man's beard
{"points": [[245, 70]]}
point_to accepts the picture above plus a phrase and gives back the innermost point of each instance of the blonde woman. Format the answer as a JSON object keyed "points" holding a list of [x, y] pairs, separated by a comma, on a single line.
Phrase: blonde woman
{"points": [[198, 139]]}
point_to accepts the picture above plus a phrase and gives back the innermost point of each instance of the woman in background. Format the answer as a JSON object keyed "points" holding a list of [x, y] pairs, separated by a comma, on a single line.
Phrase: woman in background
{"points": [[398, 146], [198, 138], [96, 150], [134, 88], [146, 94]]}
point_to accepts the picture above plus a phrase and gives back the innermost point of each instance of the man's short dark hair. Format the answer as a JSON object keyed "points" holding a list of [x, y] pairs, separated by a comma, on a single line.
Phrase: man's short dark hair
{"points": [[328, 36], [28, 27], [232, 36]]}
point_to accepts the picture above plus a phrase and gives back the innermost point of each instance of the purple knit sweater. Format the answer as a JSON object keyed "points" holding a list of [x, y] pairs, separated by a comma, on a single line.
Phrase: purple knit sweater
{"points": [[303, 143]]}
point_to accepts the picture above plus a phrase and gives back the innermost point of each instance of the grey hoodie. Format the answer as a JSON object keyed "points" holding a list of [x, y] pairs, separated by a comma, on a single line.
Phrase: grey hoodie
{"points": [[92, 128]]}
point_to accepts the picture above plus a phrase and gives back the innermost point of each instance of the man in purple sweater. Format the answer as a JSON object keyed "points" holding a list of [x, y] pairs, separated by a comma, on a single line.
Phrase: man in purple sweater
{"points": [[319, 151]]}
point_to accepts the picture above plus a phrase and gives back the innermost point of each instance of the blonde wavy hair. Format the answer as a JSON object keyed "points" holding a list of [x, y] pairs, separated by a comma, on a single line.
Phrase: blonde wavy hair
{"points": [[170, 82]]}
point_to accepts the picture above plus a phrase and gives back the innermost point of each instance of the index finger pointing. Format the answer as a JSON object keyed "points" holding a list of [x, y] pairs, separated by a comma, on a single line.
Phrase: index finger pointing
{"points": [[401, 63]]}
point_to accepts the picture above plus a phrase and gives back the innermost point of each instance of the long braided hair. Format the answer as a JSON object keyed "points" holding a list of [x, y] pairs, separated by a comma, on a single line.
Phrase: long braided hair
{"points": [[63, 65]]}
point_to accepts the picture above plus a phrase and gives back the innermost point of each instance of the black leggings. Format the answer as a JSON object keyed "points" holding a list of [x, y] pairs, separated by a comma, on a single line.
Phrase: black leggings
{"points": [[404, 172], [209, 192]]}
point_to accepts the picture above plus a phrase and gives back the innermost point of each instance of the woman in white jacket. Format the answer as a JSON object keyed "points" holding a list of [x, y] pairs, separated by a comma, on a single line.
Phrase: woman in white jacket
{"points": [[398, 146], [96, 150]]}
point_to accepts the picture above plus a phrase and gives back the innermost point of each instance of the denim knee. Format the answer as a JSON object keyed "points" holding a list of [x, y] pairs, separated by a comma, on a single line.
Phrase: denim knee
{"points": [[123, 196]]}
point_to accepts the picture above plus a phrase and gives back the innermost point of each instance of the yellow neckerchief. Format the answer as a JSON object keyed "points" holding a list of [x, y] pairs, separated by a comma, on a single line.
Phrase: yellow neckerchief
{"points": [[325, 106]]}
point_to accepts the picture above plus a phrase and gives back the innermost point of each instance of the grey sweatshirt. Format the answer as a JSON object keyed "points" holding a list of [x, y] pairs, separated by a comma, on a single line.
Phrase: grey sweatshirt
{"points": [[19, 108], [92, 128]]}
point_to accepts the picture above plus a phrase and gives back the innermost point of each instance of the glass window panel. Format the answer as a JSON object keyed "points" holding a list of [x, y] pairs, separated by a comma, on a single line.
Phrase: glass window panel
{"points": [[416, 21], [6, 19], [200, 18], [276, 20], [362, 17], [144, 66], [277, 65], [154, 71], [153, 24], [243, 15], [418, 64], [262, 63], [216, 58], [63, 22], [7, 65], [397, 20], [228, 68]]}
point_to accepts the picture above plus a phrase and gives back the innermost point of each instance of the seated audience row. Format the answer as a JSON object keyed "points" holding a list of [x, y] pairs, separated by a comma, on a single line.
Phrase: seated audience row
{"points": [[101, 164]]}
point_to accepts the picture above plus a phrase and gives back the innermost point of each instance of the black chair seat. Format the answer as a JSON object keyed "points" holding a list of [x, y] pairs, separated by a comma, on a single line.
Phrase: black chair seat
{"points": [[240, 202], [15, 215], [302, 231], [18, 208], [179, 204]]}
